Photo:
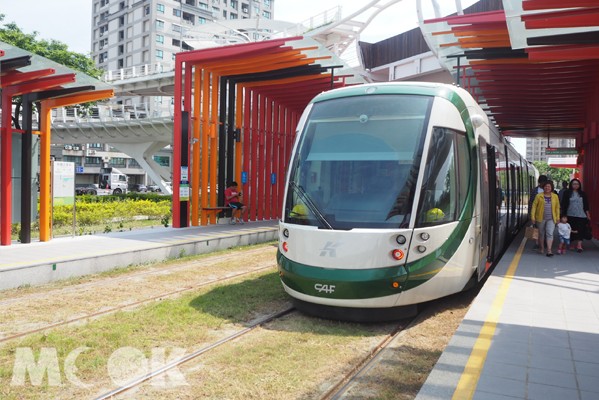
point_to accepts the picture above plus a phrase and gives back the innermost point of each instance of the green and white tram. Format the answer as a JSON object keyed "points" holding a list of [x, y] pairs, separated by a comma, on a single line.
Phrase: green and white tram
{"points": [[397, 194]]}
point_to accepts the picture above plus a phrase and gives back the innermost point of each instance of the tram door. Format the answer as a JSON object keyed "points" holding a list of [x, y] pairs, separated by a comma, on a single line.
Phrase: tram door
{"points": [[484, 222]]}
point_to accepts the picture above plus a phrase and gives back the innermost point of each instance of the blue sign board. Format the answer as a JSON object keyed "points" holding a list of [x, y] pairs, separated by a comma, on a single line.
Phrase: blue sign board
{"points": [[78, 169], [273, 178], [244, 177]]}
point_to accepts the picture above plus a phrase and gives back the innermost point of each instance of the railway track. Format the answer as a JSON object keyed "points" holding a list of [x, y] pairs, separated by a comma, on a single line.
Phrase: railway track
{"points": [[111, 310], [338, 390], [141, 379], [211, 260]]}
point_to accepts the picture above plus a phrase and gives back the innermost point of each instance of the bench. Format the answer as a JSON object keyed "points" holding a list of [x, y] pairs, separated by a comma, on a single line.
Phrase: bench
{"points": [[216, 211]]}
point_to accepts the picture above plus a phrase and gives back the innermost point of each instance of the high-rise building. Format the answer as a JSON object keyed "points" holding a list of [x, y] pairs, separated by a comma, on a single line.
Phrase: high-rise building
{"points": [[536, 147], [145, 35], [129, 33]]}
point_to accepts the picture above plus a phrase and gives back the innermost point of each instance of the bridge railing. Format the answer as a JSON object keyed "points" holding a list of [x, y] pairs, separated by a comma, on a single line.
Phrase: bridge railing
{"points": [[138, 71], [110, 113]]}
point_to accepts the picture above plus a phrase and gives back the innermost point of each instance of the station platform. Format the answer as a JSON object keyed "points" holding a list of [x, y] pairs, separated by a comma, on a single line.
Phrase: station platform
{"points": [[66, 257], [531, 333]]}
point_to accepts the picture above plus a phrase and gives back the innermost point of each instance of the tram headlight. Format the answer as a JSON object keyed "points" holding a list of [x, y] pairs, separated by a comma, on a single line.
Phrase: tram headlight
{"points": [[400, 239], [286, 233], [425, 236], [421, 249]]}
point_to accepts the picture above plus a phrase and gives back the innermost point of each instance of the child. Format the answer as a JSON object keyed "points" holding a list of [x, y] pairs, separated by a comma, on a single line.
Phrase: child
{"points": [[564, 229]]}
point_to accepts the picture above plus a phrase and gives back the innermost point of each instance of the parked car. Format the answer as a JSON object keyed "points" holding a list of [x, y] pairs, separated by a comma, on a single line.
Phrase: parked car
{"points": [[86, 188], [154, 188], [138, 187]]}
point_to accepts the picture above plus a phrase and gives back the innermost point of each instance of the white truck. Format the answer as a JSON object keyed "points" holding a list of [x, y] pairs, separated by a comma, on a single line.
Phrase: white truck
{"points": [[112, 181]]}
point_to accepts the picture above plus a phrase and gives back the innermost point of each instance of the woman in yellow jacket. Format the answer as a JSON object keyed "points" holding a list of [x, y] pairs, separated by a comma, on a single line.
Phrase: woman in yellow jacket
{"points": [[545, 213]]}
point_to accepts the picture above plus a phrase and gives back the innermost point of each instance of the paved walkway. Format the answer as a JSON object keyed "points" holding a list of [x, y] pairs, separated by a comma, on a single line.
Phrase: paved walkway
{"points": [[62, 258], [531, 333]]}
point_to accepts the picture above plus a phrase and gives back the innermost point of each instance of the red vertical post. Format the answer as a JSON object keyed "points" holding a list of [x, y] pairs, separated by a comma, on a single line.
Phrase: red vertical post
{"points": [[260, 157], [276, 208], [252, 172], [247, 140], [5, 170], [268, 160], [178, 97]]}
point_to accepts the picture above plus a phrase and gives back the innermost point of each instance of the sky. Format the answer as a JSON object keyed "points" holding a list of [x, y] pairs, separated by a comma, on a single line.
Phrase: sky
{"points": [[69, 21]]}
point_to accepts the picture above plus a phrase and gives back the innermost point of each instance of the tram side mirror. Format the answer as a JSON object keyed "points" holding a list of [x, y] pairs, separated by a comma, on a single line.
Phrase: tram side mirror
{"points": [[477, 120]]}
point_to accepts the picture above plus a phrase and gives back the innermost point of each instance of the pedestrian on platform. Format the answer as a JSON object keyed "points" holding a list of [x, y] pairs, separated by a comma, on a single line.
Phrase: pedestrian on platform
{"points": [[575, 205], [562, 190], [564, 231], [239, 209], [545, 212]]}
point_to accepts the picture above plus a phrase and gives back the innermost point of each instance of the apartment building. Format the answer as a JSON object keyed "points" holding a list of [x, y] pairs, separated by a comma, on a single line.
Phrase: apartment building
{"points": [[536, 147], [146, 34], [128, 33]]}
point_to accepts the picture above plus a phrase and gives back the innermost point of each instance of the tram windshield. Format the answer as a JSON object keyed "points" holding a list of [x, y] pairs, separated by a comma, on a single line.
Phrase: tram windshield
{"points": [[357, 162]]}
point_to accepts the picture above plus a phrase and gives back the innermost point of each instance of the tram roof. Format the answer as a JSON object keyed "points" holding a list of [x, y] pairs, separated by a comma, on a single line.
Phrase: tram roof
{"points": [[534, 69]]}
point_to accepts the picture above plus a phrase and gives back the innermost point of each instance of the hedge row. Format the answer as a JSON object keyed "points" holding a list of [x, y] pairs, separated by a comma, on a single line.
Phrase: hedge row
{"points": [[155, 197], [93, 213]]}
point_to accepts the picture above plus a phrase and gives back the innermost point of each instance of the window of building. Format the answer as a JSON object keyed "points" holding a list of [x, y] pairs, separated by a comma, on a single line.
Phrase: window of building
{"points": [[159, 54], [162, 160], [159, 24], [73, 159], [95, 146], [201, 20], [176, 42], [160, 39], [133, 163], [203, 6], [177, 28], [189, 17], [190, 2], [121, 63], [176, 12], [234, 4], [122, 20], [232, 16], [160, 8], [117, 161], [121, 49], [93, 161], [266, 14], [104, 2], [267, 3], [147, 10], [121, 35]]}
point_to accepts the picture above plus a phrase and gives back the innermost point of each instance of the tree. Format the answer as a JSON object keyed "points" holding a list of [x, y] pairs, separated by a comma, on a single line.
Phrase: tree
{"points": [[53, 50], [557, 175]]}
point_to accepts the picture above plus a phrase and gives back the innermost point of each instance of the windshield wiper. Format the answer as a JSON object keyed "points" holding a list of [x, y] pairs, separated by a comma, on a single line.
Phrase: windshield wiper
{"points": [[310, 204]]}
